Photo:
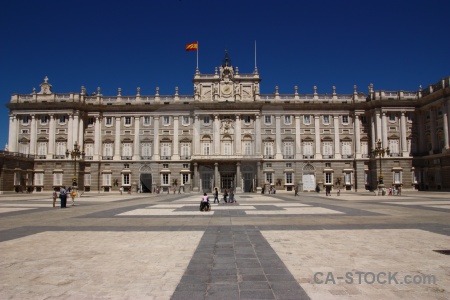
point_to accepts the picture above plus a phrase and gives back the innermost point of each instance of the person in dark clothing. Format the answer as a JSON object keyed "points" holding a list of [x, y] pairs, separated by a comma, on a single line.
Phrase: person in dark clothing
{"points": [[216, 196], [63, 196]]}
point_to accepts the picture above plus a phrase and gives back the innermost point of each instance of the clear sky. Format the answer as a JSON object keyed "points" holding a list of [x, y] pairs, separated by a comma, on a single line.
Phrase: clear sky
{"points": [[396, 45]]}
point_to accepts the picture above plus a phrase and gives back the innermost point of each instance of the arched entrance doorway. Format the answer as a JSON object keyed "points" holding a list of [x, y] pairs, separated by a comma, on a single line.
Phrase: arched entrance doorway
{"points": [[145, 179], [309, 178]]}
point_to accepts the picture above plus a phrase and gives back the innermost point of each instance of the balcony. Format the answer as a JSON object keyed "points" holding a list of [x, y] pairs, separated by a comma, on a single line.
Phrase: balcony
{"points": [[127, 157], [90, 157], [107, 157], [347, 155], [327, 156], [41, 157], [288, 156], [166, 158], [395, 154], [186, 157], [308, 156], [268, 156], [59, 156], [146, 157]]}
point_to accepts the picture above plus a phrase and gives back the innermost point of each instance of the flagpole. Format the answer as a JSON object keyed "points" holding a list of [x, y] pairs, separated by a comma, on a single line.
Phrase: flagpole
{"points": [[197, 55]]}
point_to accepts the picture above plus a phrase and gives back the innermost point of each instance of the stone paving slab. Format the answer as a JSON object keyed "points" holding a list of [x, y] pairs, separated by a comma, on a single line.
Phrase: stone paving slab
{"points": [[106, 247]]}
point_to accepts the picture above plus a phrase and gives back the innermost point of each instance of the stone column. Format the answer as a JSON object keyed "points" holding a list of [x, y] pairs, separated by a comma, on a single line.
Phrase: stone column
{"points": [[433, 129], [258, 177], [196, 135], [97, 139], [117, 140], [278, 153], [176, 144], [196, 178], [298, 142], [238, 178], [378, 122], [156, 138], [70, 132], [81, 132], [337, 150], [384, 130], [137, 142], [216, 135], [445, 125], [357, 137], [318, 155], [403, 135], [216, 175], [372, 131], [51, 137], [12, 136], [237, 136], [258, 135], [75, 128], [33, 136], [421, 142]]}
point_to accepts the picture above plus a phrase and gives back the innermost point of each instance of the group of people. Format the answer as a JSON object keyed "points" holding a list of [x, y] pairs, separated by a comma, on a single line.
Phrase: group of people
{"points": [[63, 193], [227, 198]]}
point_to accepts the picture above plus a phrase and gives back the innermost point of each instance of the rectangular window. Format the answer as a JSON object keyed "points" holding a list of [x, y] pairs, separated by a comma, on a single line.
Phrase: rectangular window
{"points": [[307, 119], [25, 119], [288, 165], [44, 119], [165, 166], [268, 165], [89, 150], [108, 120], [127, 120], [206, 148], [288, 178], [308, 148], [107, 149], [42, 148], [268, 149], [287, 120], [106, 179], [185, 178], [91, 121], [61, 148], [363, 120], [165, 179], [126, 149], [87, 179], [125, 179], [185, 150], [346, 148], [247, 148], [38, 179], [268, 120], [166, 120], [397, 178], [247, 119], [392, 117], [327, 148], [326, 119], [62, 119], [227, 148], [146, 150], [344, 119], [186, 120], [269, 178], [185, 166], [328, 178], [147, 120], [206, 120], [289, 149], [57, 179], [348, 178], [166, 149]]}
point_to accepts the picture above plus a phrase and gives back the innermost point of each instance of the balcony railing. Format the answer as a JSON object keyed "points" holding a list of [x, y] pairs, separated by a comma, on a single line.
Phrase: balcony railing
{"points": [[268, 156], [89, 157], [347, 155], [107, 157], [288, 156], [127, 157], [185, 157], [327, 156], [146, 157], [41, 157], [308, 156], [166, 158], [396, 154], [59, 156]]}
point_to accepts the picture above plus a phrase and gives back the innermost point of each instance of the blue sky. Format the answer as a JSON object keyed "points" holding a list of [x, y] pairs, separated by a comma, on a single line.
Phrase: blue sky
{"points": [[396, 45]]}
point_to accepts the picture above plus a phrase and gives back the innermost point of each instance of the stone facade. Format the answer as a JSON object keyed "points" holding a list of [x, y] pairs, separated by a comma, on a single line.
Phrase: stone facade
{"points": [[228, 135]]}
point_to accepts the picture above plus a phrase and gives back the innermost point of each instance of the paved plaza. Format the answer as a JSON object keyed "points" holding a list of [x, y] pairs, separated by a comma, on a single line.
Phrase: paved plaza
{"points": [[147, 246]]}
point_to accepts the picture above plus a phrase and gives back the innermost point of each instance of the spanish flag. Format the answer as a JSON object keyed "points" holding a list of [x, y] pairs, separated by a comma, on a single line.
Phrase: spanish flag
{"points": [[192, 46]]}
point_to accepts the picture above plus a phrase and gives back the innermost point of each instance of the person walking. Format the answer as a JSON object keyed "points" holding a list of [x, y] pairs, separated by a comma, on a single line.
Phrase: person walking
{"points": [[216, 196], [296, 191], [225, 195], [55, 195], [73, 194]]}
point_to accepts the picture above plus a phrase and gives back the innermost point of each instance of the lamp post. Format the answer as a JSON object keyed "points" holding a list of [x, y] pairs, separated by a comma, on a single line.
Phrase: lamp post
{"points": [[74, 154], [379, 151]]}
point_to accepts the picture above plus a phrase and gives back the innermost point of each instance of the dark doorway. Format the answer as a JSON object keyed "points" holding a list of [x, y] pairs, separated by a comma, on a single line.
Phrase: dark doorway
{"points": [[146, 183]]}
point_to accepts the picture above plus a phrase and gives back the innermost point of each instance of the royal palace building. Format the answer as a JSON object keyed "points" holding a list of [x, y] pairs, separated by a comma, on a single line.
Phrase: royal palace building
{"points": [[230, 136]]}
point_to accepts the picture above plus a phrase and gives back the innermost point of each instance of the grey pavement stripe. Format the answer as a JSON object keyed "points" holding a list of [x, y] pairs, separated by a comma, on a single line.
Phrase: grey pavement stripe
{"points": [[236, 262]]}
